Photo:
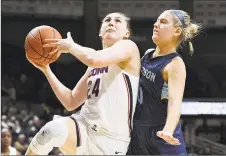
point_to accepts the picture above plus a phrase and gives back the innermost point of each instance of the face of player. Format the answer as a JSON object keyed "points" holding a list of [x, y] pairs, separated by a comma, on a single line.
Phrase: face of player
{"points": [[114, 28], [6, 138], [164, 31]]}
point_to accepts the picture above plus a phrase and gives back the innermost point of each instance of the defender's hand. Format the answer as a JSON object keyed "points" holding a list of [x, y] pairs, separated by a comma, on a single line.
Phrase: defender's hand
{"points": [[168, 137]]}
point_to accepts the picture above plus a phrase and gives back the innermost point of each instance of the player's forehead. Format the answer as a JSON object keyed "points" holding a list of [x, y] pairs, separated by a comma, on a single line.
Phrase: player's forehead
{"points": [[166, 15], [115, 15]]}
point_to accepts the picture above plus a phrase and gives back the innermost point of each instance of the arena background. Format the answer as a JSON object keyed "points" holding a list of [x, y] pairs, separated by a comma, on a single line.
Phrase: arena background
{"points": [[27, 101]]}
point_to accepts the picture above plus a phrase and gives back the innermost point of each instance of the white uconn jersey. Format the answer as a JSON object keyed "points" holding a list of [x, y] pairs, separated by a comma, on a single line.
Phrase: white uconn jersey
{"points": [[112, 96]]}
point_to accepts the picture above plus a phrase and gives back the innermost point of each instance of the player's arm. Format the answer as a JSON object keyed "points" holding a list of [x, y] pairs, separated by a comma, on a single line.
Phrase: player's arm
{"points": [[176, 74], [71, 99], [79, 93], [121, 51]]}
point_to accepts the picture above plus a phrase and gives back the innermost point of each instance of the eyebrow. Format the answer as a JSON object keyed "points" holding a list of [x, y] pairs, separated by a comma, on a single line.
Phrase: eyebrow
{"points": [[111, 17], [162, 19]]}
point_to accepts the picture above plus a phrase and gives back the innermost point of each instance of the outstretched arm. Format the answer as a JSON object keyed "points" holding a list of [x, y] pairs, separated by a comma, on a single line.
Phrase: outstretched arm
{"points": [[176, 74], [176, 84], [121, 51]]}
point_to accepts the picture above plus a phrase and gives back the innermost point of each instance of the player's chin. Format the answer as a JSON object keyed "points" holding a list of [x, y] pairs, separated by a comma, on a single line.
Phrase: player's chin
{"points": [[155, 39], [110, 35], [111, 38]]}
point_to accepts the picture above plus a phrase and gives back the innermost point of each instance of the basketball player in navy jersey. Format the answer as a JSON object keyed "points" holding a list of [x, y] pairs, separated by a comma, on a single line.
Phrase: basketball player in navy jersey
{"points": [[156, 128]]}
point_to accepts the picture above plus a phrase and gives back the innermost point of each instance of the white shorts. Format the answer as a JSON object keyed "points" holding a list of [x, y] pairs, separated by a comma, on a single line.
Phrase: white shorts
{"points": [[91, 142]]}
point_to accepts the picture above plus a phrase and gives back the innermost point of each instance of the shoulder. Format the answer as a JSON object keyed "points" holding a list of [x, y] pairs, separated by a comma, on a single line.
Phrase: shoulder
{"points": [[177, 62], [129, 48], [127, 41], [128, 44], [176, 66]]}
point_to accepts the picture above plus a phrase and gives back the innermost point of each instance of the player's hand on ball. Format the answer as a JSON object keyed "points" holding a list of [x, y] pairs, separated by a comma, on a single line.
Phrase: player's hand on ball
{"points": [[60, 45], [168, 137], [39, 66]]}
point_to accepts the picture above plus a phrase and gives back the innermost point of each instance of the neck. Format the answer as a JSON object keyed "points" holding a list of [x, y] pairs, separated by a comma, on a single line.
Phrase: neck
{"points": [[108, 43], [164, 50], [5, 149], [105, 45]]}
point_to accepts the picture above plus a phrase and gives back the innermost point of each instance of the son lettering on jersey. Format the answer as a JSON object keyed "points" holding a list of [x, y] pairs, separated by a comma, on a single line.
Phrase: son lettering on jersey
{"points": [[148, 74], [97, 71]]}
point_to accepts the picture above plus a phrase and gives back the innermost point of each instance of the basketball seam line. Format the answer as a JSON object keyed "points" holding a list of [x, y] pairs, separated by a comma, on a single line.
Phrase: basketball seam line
{"points": [[36, 52], [33, 49], [32, 35], [52, 47], [43, 49]]}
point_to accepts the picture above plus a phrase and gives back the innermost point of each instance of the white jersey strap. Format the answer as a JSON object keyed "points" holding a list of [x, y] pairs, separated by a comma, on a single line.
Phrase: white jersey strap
{"points": [[148, 51]]}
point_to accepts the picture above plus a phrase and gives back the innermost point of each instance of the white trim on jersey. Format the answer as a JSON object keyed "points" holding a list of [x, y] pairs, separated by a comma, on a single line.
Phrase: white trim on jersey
{"points": [[149, 50]]}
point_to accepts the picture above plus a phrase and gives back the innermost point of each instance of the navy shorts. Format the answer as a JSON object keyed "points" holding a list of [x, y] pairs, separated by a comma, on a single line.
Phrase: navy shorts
{"points": [[144, 141]]}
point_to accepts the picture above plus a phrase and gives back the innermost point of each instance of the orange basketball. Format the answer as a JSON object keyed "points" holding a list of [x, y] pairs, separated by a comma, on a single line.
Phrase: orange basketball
{"points": [[34, 41]]}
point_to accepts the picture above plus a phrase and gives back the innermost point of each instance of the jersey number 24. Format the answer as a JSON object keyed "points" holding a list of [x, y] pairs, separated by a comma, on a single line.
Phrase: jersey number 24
{"points": [[93, 90]]}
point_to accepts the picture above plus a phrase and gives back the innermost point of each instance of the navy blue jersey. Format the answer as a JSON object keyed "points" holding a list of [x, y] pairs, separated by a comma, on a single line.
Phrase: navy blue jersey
{"points": [[151, 111], [152, 100]]}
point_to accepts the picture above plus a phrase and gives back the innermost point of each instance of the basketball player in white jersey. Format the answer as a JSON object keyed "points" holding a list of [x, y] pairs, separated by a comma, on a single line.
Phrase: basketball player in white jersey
{"points": [[6, 141], [109, 89]]}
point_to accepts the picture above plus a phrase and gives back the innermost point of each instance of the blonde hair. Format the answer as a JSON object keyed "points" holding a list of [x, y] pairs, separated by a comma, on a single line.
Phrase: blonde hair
{"points": [[189, 29]]}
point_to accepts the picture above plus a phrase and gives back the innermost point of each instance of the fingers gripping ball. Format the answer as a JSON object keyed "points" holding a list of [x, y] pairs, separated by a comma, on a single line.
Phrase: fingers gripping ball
{"points": [[34, 42]]}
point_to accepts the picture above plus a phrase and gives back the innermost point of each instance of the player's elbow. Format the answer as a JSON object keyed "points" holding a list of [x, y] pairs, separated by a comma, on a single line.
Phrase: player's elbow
{"points": [[90, 61], [96, 63], [69, 106]]}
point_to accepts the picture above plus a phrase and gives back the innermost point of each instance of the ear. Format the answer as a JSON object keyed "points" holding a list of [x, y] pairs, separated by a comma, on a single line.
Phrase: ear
{"points": [[178, 31], [100, 36], [127, 34]]}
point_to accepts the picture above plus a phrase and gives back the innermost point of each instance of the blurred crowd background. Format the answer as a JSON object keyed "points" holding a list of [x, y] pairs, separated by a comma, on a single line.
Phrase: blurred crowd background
{"points": [[28, 102]]}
